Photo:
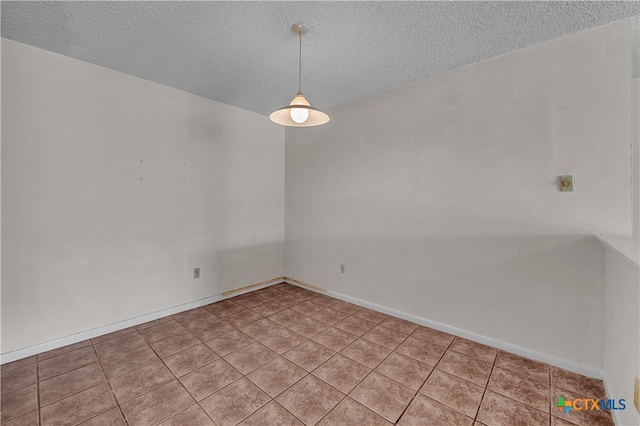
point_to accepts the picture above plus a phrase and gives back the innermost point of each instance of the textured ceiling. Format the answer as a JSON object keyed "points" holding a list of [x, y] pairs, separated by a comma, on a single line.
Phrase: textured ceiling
{"points": [[244, 54]]}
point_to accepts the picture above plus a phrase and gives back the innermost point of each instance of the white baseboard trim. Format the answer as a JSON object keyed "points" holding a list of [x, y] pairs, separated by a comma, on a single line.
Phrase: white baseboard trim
{"points": [[89, 334], [508, 347], [120, 325]]}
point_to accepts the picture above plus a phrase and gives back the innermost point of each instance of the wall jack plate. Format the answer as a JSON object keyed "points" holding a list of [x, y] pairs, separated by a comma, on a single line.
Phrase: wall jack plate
{"points": [[566, 183], [196, 273]]}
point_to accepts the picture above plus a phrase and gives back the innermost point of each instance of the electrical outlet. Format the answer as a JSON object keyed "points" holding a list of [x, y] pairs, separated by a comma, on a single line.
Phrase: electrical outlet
{"points": [[342, 268], [636, 395], [196, 273]]}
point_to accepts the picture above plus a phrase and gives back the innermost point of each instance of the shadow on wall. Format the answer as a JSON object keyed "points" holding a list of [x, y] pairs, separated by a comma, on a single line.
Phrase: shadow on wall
{"points": [[545, 293], [120, 289], [243, 266]]}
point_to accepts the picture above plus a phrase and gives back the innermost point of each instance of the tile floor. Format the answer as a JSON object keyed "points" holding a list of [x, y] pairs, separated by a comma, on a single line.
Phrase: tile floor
{"points": [[284, 355]]}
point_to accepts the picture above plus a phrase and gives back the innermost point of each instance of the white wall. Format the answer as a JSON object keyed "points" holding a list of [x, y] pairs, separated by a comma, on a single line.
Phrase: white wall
{"points": [[635, 101], [442, 197], [622, 338], [114, 188], [1, 351]]}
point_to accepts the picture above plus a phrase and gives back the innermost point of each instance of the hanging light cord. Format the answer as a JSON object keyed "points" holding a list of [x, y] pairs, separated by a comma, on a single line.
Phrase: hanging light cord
{"points": [[300, 63]]}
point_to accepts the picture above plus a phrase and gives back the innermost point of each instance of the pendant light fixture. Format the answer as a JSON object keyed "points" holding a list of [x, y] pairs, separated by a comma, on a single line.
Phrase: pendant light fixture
{"points": [[299, 113]]}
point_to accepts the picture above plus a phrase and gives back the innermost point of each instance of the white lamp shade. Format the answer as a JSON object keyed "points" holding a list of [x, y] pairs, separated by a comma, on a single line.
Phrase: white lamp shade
{"points": [[283, 116]]}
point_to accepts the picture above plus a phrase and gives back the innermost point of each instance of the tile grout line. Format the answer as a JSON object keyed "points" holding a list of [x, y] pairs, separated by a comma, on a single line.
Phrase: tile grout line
{"points": [[110, 388], [486, 386], [520, 402], [38, 391], [449, 348], [346, 395], [135, 330], [358, 338], [171, 372], [427, 378], [219, 357], [165, 364], [506, 396], [549, 400], [176, 378], [334, 407], [372, 369], [62, 374], [305, 298], [63, 354], [273, 399], [244, 376], [308, 373], [283, 391]]}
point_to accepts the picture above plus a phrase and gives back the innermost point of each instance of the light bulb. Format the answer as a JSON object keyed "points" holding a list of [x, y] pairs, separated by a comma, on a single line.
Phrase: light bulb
{"points": [[299, 115]]}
